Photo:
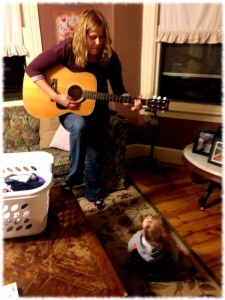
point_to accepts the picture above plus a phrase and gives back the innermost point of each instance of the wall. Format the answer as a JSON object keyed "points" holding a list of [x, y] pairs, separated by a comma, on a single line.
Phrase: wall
{"points": [[48, 11], [125, 23], [172, 133]]}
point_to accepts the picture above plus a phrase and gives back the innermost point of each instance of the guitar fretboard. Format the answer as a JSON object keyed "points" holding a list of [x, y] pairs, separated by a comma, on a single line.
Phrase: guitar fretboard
{"points": [[108, 97], [152, 104]]}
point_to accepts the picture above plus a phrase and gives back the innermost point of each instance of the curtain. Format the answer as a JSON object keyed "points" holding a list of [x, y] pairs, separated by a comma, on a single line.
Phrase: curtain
{"points": [[12, 32], [190, 23]]}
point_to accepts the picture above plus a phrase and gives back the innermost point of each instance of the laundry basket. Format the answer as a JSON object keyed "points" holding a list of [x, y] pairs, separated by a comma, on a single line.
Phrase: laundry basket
{"points": [[26, 212]]}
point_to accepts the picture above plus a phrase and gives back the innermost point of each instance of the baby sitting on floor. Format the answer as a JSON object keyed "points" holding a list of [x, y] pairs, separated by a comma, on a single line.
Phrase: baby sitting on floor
{"points": [[153, 249]]}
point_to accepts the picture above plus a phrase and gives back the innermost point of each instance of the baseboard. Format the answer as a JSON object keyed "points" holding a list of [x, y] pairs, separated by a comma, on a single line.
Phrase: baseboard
{"points": [[168, 155]]}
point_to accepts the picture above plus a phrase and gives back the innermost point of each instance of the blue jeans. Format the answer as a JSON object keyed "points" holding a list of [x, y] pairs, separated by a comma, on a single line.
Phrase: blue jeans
{"points": [[87, 137]]}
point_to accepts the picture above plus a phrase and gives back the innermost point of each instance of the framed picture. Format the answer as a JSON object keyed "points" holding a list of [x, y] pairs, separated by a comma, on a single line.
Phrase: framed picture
{"points": [[65, 24], [203, 142], [216, 153]]}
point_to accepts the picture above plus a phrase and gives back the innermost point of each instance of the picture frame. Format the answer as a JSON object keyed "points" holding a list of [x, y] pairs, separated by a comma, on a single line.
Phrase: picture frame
{"points": [[216, 153], [204, 141], [65, 24]]}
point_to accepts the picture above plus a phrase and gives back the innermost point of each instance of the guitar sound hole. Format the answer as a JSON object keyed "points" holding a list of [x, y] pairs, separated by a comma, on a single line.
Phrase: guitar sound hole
{"points": [[75, 92]]}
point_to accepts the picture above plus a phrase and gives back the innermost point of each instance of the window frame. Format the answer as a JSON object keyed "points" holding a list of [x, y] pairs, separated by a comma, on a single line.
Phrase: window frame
{"points": [[13, 77], [32, 38], [172, 72], [151, 51]]}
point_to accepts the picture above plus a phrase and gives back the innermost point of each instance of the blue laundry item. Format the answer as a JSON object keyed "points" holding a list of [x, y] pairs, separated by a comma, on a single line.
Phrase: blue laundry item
{"points": [[40, 179], [17, 185]]}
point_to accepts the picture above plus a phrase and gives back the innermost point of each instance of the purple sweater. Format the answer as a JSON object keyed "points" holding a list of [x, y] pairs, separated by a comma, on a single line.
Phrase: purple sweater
{"points": [[61, 53]]}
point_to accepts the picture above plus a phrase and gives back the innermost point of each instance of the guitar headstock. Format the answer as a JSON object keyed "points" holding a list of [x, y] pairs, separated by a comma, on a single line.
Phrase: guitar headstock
{"points": [[156, 103]]}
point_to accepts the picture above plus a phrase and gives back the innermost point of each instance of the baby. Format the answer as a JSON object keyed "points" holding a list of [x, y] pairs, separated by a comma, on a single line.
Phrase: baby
{"points": [[154, 251]]}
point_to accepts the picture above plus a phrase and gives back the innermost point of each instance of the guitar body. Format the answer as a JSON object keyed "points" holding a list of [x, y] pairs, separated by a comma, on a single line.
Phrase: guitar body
{"points": [[39, 105]]}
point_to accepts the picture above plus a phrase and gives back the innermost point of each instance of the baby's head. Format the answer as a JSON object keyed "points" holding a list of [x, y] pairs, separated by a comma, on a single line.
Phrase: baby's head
{"points": [[156, 231]]}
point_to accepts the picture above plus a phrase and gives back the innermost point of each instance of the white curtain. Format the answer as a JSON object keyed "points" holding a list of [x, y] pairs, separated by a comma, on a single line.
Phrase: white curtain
{"points": [[12, 33], [190, 23]]}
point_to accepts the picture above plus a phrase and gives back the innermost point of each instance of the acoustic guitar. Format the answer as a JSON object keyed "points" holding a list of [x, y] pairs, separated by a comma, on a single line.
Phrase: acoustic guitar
{"points": [[82, 88]]}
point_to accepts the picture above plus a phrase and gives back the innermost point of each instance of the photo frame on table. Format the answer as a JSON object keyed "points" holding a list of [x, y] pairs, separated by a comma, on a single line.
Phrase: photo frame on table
{"points": [[203, 142], [216, 153]]}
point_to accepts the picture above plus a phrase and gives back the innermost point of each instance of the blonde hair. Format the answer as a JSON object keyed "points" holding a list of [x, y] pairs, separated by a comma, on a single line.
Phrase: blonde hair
{"points": [[158, 233], [90, 20]]}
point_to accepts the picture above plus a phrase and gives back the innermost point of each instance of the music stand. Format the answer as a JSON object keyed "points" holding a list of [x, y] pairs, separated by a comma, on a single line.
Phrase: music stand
{"points": [[153, 120]]}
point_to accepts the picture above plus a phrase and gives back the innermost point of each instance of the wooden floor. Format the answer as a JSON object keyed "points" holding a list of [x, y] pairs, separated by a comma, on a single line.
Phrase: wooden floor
{"points": [[177, 199]]}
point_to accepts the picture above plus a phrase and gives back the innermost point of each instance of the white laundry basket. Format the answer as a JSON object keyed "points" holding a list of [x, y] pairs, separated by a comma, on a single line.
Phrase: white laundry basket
{"points": [[26, 212]]}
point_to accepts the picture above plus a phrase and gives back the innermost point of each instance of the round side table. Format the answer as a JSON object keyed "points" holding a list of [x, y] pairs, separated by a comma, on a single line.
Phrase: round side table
{"points": [[199, 164]]}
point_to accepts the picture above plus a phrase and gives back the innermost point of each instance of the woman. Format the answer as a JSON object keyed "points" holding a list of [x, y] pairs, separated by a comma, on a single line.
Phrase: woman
{"points": [[89, 51]]}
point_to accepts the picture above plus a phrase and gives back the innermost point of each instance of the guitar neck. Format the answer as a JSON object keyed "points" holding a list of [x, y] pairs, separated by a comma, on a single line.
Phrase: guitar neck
{"points": [[153, 104], [108, 97]]}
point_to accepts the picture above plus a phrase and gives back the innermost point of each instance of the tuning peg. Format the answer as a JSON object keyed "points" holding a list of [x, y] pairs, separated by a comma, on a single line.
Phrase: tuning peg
{"points": [[159, 99]]}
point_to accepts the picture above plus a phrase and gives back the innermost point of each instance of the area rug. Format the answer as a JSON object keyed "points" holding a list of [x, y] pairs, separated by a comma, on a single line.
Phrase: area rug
{"points": [[117, 223]]}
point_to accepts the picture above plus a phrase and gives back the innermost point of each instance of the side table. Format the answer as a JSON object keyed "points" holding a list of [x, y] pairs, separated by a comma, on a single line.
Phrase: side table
{"points": [[199, 164]]}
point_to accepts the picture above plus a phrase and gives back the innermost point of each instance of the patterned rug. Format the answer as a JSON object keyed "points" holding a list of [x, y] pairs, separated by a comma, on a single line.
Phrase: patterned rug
{"points": [[116, 224]]}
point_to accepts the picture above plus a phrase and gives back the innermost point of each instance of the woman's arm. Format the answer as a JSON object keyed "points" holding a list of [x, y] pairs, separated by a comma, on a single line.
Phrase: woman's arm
{"points": [[53, 56], [116, 82], [63, 100]]}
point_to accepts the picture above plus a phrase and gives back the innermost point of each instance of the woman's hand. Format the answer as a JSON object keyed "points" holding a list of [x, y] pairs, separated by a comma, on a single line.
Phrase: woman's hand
{"points": [[66, 101], [137, 104]]}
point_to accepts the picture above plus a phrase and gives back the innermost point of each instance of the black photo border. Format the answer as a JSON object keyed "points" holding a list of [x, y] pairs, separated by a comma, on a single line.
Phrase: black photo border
{"points": [[217, 143], [195, 146]]}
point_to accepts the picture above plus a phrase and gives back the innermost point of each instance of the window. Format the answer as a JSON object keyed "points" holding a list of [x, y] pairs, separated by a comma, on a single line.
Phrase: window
{"points": [[191, 72], [13, 71]]}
